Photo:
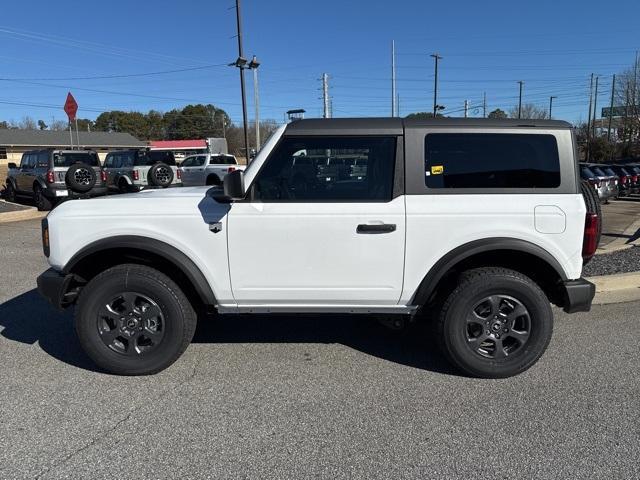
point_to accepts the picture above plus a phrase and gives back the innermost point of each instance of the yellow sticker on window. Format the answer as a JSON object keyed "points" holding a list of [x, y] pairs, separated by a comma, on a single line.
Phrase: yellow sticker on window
{"points": [[437, 170]]}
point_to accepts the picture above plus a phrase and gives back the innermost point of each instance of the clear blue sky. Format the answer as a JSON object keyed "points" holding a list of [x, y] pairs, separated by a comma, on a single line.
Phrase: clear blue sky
{"points": [[487, 46]]}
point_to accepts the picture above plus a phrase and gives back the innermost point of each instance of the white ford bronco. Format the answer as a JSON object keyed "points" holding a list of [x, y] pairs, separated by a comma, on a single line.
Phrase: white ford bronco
{"points": [[476, 225]]}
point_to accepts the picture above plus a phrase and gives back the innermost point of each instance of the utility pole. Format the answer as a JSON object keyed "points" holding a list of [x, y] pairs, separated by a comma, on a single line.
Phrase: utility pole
{"points": [[551, 104], [436, 57], [521, 83], [589, 118], [325, 96], [466, 108], [595, 108], [253, 65], [240, 63], [484, 105], [393, 80], [613, 92]]}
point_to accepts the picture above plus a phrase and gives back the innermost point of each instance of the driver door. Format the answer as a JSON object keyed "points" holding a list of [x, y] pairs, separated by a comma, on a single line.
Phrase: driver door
{"points": [[304, 238]]}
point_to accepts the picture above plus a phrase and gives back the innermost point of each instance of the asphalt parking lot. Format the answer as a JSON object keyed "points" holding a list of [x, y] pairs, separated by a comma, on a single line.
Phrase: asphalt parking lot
{"points": [[321, 397]]}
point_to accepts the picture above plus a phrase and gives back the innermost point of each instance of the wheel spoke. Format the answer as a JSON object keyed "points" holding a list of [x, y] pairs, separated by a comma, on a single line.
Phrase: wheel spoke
{"points": [[517, 312], [150, 311], [132, 342], [499, 349], [129, 301], [522, 337], [494, 301], [108, 336]]}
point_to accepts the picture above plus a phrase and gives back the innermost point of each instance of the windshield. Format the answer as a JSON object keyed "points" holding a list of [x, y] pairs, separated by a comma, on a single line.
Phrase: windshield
{"points": [[598, 172], [587, 173], [66, 159], [610, 172], [147, 158]]}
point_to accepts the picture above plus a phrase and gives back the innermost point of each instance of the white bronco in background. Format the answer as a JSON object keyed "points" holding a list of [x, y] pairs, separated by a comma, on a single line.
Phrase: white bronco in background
{"points": [[476, 225]]}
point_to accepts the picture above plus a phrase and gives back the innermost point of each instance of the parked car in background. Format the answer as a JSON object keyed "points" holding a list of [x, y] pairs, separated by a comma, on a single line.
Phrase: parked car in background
{"points": [[138, 169], [596, 182], [207, 169], [633, 177], [48, 176], [608, 180], [624, 180]]}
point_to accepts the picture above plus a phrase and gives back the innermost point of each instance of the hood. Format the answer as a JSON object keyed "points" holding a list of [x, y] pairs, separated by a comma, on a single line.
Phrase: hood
{"points": [[167, 202]]}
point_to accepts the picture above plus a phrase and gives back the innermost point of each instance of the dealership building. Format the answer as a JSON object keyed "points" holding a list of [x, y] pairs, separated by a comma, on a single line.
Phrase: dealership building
{"points": [[13, 143]]}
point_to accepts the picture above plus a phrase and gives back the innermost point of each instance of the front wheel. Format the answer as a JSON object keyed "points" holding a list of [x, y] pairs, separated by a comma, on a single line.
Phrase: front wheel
{"points": [[495, 324], [134, 320], [10, 192]]}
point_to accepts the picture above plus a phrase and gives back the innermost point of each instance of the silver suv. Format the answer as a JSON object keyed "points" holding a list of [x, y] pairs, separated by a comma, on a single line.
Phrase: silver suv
{"points": [[135, 170], [48, 176]]}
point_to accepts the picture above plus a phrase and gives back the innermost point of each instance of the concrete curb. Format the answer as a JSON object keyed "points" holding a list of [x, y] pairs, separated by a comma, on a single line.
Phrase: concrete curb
{"points": [[622, 287], [30, 213]]}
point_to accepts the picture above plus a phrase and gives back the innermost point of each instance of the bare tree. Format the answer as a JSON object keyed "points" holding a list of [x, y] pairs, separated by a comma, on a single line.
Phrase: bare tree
{"points": [[27, 123], [59, 125], [529, 111]]}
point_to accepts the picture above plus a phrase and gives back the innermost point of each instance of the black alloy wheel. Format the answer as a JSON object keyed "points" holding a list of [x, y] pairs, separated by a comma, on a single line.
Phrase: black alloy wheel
{"points": [[131, 324], [499, 325]]}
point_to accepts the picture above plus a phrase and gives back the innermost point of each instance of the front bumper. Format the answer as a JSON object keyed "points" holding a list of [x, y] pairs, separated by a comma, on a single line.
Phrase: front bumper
{"points": [[55, 287], [578, 295]]}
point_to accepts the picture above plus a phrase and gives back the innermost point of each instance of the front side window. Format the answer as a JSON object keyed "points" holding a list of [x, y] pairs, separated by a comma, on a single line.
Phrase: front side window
{"points": [[188, 162], [303, 169], [491, 160]]}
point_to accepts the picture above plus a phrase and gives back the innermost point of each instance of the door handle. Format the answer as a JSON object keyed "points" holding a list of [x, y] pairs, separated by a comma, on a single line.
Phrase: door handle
{"points": [[376, 228]]}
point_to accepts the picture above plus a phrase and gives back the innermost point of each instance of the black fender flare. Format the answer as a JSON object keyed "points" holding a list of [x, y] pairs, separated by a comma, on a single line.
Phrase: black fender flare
{"points": [[40, 183], [116, 180], [462, 252], [151, 245]]}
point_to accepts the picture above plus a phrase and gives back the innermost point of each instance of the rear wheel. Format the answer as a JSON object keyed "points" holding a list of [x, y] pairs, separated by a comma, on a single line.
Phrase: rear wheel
{"points": [[42, 202], [495, 324], [214, 180], [10, 192], [134, 320]]}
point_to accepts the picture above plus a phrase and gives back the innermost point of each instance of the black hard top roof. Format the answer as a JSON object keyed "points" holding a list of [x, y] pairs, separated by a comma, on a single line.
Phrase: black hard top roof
{"points": [[388, 125]]}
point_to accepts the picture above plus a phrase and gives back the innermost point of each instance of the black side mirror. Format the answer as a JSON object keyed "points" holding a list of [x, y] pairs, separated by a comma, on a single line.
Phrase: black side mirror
{"points": [[12, 165], [234, 185]]}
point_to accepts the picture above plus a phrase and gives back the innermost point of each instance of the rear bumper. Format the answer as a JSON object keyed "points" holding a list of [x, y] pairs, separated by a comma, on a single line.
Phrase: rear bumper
{"points": [[578, 295], [63, 192], [54, 286]]}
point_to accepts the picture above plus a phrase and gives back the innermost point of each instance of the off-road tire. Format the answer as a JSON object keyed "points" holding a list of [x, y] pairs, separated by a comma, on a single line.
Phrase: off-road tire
{"points": [[178, 317], [160, 175], [10, 192], [453, 326], [214, 180], [40, 200], [80, 177]]}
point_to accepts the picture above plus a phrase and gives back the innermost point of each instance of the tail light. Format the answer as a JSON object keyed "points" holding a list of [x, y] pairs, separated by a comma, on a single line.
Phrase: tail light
{"points": [[50, 176], [634, 179], [136, 175], [623, 179], [179, 174], [231, 169], [590, 241], [103, 176]]}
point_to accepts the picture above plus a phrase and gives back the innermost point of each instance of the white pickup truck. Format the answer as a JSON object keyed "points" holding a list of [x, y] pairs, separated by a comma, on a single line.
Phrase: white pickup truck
{"points": [[476, 225], [207, 169]]}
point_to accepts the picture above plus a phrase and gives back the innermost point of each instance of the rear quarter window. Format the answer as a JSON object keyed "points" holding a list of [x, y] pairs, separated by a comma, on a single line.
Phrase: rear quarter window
{"points": [[491, 160]]}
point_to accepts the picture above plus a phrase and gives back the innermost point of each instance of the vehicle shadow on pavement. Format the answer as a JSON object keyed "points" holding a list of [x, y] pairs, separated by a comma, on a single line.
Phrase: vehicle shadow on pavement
{"points": [[413, 346], [28, 318]]}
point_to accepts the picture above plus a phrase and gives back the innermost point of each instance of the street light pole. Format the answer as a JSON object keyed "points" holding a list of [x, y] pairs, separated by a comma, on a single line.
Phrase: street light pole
{"points": [[436, 57], [520, 99], [551, 104], [240, 63], [613, 92]]}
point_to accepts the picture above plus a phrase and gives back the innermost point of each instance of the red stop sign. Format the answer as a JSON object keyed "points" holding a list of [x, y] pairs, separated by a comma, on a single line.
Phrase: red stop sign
{"points": [[71, 107]]}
